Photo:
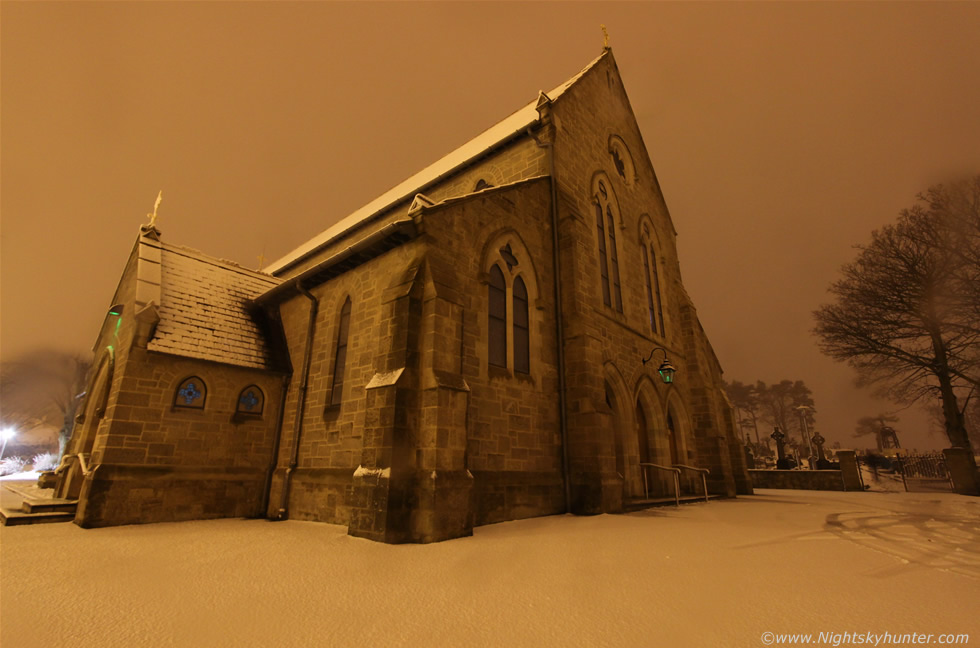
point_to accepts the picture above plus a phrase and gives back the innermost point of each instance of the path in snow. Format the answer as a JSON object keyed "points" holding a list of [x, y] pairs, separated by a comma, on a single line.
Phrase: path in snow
{"points": [[705, 575]]}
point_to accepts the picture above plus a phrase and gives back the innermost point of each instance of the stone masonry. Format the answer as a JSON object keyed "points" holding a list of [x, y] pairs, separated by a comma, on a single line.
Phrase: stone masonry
{"points": [[370, 346]]}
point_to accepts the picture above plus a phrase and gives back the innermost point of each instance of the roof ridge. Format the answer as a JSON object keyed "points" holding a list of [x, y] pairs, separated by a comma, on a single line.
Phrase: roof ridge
{"points": [[226, 264], [487, 139]]}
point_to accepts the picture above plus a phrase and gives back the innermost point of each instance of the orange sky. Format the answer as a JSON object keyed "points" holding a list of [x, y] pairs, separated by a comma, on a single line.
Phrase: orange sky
{"points": [[782, 134]]}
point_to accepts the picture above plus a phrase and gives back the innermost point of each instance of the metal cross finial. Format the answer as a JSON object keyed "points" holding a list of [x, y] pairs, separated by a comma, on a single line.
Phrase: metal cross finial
{"points": [[605, 37], [261, 259], [156, 206]]}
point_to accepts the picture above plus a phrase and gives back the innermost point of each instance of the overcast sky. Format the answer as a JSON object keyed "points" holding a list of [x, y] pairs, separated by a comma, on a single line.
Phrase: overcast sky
{"points": [[782, 135]]}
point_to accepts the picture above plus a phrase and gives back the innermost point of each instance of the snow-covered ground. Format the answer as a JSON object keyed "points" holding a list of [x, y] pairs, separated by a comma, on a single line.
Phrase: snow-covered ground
{"points": [[704, 575], [886, 481]]}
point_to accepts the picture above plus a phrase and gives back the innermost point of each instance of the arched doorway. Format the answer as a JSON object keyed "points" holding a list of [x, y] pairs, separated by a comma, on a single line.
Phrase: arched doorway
{"points": [[678, 438], [643, 433], [672, 439], [619, 450], [625, 440]]}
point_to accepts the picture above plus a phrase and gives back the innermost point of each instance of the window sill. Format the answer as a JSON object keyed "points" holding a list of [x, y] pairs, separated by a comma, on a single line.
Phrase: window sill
{"points": [[331, 412]]}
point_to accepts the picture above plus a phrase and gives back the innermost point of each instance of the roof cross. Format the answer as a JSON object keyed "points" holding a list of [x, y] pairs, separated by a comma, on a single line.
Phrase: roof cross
{"points": [[156, 206]]}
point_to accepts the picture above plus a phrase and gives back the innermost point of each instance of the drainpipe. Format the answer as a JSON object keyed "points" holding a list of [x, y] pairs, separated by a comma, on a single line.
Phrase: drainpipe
{"points": [[300, 402], [559, 320], [283, 390]]}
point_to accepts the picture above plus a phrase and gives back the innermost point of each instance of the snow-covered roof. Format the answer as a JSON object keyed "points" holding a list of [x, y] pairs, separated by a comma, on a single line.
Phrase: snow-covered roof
{"points": [[204, 309], [502, 131]]}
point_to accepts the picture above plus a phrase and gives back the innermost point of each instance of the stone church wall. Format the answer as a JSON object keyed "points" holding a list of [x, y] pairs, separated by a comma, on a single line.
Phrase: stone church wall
{"points": [[512, 425], [604, 440], [513, 477], [161, 463], [165, 463], [331, 438]]}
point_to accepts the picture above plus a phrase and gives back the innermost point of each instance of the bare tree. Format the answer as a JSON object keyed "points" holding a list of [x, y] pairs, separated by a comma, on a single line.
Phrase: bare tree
{"points": [[44, 387], [971, 419], [906, 311]]}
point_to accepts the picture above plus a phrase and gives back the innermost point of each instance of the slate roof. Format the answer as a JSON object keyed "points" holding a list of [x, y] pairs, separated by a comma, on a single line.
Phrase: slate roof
{"points": [[503, 130], [204, 309]]}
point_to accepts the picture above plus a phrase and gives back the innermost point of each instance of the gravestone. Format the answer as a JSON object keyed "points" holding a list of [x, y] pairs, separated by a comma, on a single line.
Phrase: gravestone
{"points": [[782, 462]]}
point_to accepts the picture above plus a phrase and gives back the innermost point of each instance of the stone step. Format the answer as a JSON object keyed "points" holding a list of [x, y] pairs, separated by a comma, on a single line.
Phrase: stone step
{"points": [[38, 505], [52, 506], [40, 499], [14, 518]]}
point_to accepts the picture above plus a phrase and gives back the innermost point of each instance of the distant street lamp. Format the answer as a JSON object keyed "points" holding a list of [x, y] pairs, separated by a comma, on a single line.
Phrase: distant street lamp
{"points": [[802, 409], [666, 369], [7, 433]]}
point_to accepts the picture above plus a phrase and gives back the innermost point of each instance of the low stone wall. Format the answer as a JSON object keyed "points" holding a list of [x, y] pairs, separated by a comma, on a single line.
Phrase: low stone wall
{"points": [[828, 480]]}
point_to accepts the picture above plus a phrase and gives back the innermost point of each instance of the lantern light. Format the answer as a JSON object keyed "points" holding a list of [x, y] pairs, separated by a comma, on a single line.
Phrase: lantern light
{"points": [[666, 369]]}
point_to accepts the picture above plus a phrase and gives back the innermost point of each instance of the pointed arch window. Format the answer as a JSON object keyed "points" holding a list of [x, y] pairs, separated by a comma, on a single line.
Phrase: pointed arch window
{"points": [[603, 265], [497, 318], [251, 401], [510, 284], [192, 393], [605, 219], [648, 279], [340, 358], [656, 290], [522, 337], [614, 260]]}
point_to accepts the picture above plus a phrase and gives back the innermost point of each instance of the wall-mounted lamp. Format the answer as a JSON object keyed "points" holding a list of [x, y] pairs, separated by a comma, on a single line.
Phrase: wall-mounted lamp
{"points": [[666, 369]]}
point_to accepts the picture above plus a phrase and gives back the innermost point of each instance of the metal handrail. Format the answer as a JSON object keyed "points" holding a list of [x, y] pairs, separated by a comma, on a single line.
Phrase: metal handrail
{"points": [[677, 486], [81, 460], [84, 464], [703, 471]]}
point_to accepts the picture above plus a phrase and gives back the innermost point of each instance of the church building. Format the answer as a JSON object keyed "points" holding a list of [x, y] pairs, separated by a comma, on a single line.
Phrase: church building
{"points": [[503, 335]]}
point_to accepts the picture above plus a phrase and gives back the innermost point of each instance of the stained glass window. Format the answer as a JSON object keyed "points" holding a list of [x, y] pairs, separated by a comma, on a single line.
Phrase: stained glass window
{"points": [[646, 277], [497, 318], [251, 400], [522, 338], [656, 288], [614, 260], [618, 161], [622, 160], [605, 223], [340, 361], [192, 393], [603, 264]]}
